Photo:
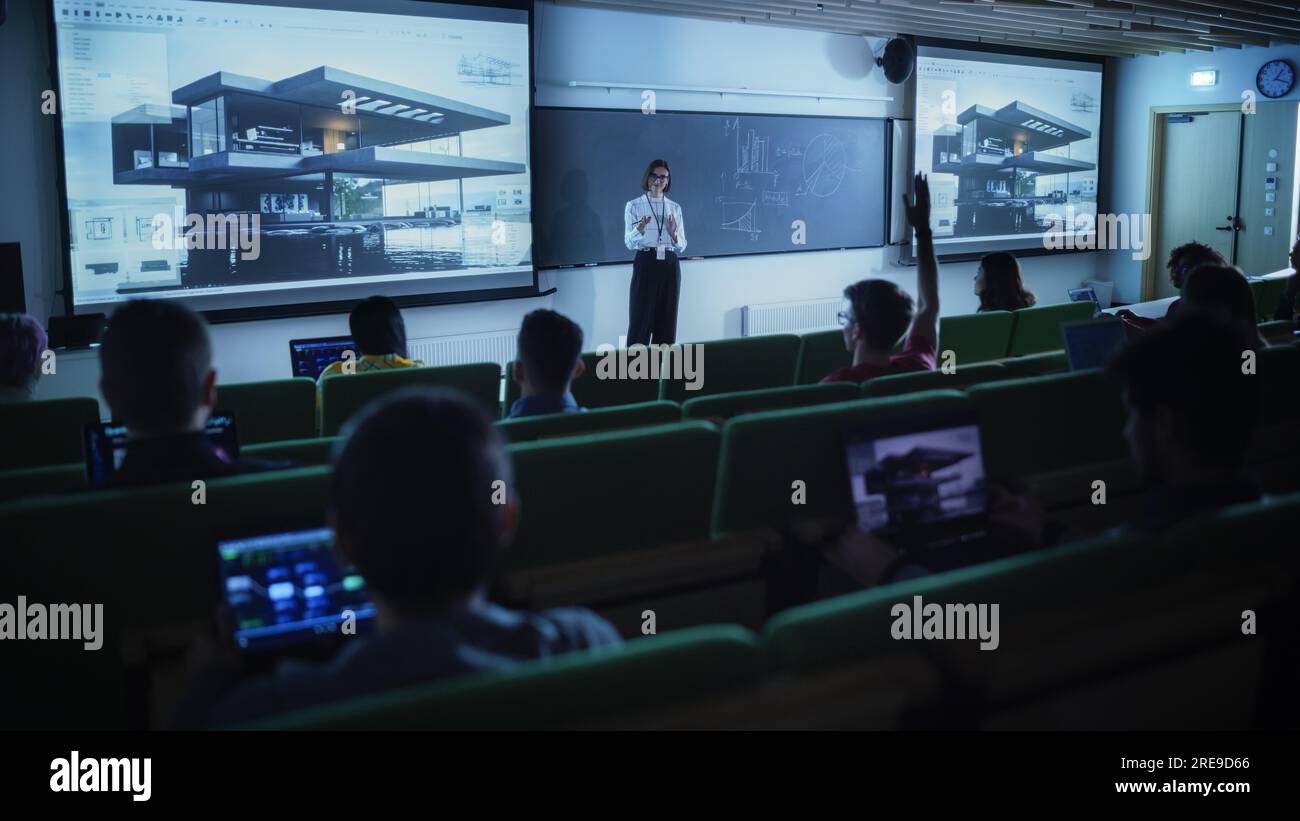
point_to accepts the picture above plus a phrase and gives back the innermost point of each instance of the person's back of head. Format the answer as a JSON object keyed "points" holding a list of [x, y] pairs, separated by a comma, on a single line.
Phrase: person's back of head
{"points": [[1186, 257], [881, 314], [412, 496], [550, 347], [1192, 409], [156, 367], [1003, 288], [377, 327], [22, 342], [1221, 290]]}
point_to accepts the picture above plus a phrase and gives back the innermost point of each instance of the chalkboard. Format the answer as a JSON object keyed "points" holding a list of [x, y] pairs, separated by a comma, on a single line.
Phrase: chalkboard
{"points": [[742, 181]]}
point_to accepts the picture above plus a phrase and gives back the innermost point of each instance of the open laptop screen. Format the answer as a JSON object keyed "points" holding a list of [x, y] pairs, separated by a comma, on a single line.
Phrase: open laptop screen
{"points": [[288, 587], [1090, 343], [923, 481], [105, 444], [308, 357]]}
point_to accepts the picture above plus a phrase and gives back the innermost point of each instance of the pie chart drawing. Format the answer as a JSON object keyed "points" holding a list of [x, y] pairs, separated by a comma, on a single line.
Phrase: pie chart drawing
{"points": [[824, 164]]}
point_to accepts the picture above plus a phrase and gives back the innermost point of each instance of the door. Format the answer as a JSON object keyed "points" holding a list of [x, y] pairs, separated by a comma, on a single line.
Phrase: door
{"points": [[1200, 158]]}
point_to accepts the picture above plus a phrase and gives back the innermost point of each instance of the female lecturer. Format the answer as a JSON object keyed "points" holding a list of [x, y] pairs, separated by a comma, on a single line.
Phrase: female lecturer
{"points": [[653, 229]]}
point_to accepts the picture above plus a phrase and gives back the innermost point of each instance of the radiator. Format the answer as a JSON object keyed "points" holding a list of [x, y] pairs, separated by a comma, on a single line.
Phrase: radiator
{"points": [[790, 317], [463, 349]]}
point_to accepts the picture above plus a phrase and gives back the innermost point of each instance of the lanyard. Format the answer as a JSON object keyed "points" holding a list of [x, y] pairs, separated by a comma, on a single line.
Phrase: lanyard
{"points": [[658, 221]]}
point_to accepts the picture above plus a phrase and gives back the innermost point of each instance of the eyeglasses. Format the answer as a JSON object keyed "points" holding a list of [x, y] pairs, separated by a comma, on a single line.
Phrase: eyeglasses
{"points": [[659, 177], [845, 318]]}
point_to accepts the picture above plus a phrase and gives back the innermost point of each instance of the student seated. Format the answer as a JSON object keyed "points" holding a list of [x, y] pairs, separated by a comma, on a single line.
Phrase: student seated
{"points": [[549, 359], [412, 508], [157, 377], [1224, 291], [1286, 303], [22, 341], [999, 285], [380, 336], [1192, 415], [1182, 260], [880, 312]]}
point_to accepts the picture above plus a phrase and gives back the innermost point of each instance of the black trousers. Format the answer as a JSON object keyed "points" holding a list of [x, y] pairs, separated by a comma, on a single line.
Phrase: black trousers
{"points": [[652, 303]]}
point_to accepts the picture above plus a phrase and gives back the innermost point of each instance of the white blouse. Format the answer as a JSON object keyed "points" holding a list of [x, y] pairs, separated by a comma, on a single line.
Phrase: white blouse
{"points": [[663, 207]]}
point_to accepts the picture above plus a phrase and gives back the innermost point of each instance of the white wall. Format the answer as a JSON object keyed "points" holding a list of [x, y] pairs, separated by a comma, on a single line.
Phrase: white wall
{"points": [[571, 44], [1134, 87]]}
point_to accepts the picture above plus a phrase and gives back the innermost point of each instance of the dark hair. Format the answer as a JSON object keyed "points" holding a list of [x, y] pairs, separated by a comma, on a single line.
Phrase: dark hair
{"points": [[1004, 290], [1192, 365], [882, 310], [22, 341], [1193, 254], [412, 496], [154, 358], [1222, 289], [549, 346], [645, 178], [377, 327]]}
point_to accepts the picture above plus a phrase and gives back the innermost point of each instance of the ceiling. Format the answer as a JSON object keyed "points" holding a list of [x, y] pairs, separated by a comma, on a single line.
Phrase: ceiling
{"points": [[1107, 27]]}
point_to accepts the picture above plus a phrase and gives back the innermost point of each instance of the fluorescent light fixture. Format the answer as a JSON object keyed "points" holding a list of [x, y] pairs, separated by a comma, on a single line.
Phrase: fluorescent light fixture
{"points": [[1204, 77]]}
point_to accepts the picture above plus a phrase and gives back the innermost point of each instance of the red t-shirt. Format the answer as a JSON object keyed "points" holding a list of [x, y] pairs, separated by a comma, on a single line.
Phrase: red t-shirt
{"points": [[917, 355]]}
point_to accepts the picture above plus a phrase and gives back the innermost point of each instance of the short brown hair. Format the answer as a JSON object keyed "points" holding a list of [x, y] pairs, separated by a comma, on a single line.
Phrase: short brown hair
{"points": [[882, 310], [645, 178]]}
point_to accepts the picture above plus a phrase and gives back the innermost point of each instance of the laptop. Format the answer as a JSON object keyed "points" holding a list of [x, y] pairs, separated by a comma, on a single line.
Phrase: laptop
{"points": [[288, 587], [920, 483], [308, 357], [1086, 295], [1090, 343], [105, 444]]}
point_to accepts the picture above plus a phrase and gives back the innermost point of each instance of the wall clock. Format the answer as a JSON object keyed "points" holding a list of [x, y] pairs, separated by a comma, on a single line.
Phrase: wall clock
{"points": [[1275, 78]]}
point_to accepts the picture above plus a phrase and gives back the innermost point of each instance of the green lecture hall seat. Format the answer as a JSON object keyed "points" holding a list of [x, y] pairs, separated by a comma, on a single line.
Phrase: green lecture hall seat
{"points": [[345, 394], [1278, 331], [763, 454], [726, 405], [963, 377], [821, 353], [590, 390], [1267, 292], [627, 490], [271, 411], [599, 687], [853, 627], [1036, 364], [303, 452], [56, 552], [52, 431], [1038, 329], [980, 337], [642, 414], [730, 365], [1047, 423]]}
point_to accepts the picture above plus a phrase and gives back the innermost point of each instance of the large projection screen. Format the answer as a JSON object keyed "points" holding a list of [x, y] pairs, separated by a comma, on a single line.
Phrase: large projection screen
{"points": [[286, 153], [1011, 144]]}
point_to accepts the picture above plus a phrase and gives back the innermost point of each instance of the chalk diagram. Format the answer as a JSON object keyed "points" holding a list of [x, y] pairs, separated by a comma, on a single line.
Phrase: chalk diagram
{"points": [[755, 184], [823, 166]]}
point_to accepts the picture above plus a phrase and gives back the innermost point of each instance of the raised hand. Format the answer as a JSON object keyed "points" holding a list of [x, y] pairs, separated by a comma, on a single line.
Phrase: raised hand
{"points": [[640, 226], [918, 210], [672, 227]]}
